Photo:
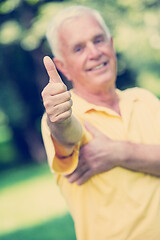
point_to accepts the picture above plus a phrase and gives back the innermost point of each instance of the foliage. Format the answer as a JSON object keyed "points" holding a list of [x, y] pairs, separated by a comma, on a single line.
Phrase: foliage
{"points": [[135, 28]]}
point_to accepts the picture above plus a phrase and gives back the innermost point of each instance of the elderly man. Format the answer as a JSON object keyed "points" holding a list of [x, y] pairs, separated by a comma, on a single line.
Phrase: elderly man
{"points": [[105, 149]]}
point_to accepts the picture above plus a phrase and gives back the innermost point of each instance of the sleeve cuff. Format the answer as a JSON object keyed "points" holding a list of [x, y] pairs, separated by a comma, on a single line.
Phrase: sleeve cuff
{"points": [[66, 165]]}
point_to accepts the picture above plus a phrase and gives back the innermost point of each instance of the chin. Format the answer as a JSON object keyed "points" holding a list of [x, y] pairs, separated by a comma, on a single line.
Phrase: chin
{"points": [[103, 81]]}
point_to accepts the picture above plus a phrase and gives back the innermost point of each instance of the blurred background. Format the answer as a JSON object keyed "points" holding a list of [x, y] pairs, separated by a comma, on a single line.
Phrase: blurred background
{"points": [[31, 206]]}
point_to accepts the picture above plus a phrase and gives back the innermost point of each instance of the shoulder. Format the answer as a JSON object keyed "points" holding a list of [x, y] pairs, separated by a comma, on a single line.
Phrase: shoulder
{"points": [[140, 94]]}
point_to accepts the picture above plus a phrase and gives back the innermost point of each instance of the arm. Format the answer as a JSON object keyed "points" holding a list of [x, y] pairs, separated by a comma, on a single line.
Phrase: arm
{"points": [[96, 157], [142, 158], [64, 127]]}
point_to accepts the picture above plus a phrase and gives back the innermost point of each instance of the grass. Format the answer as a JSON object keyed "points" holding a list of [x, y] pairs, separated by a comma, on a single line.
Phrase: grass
{"points": [[55, 229], [31, 206]]}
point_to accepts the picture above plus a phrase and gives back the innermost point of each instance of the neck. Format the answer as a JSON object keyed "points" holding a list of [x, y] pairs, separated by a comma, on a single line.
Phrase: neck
{"points": [[107, 99]]}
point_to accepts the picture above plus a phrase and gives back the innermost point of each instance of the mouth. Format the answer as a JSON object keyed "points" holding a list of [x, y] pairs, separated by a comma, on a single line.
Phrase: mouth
{"points": [[100, 66]]}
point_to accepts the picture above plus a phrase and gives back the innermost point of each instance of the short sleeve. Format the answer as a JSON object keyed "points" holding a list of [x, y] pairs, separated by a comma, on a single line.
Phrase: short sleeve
{"points": [[58, 164]]}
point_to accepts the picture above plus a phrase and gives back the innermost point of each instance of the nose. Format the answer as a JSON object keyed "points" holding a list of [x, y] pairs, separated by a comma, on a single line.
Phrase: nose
{"points": [[93, 51]]}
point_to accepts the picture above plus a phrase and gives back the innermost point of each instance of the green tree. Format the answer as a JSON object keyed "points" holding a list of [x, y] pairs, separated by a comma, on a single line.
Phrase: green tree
{"points": [[135, 28]]}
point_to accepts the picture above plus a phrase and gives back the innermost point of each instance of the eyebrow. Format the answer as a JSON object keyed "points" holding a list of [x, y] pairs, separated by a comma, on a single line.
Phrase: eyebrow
{"points": [[102, 35], [79, 44]]}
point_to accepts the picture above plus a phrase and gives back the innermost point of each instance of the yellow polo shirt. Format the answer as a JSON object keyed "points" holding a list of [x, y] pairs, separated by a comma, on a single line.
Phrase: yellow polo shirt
{"points": [[119, 204]]}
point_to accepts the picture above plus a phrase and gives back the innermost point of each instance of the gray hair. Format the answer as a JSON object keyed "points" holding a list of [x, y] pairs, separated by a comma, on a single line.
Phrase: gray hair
{"points": [[62, 16]]}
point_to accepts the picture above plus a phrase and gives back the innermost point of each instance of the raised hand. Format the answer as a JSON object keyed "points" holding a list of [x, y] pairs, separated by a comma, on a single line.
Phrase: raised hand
{"points": [[100, 155], [56, 99]]}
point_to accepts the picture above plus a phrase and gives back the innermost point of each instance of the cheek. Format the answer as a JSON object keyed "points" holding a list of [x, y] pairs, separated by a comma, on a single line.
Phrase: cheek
{"points": [[74, 72], [76, 65]]}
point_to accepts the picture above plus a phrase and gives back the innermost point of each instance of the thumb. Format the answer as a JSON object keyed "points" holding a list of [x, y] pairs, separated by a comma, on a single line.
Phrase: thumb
{"points": [[51, 70], [93, 130]]}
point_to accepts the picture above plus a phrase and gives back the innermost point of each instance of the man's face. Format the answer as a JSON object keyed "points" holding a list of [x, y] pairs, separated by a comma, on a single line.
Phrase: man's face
{"points": [[89, 57]]}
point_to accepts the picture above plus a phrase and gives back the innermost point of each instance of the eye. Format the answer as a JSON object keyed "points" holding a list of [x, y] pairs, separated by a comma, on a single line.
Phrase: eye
{"points": [[78, 49], [99, 40]]}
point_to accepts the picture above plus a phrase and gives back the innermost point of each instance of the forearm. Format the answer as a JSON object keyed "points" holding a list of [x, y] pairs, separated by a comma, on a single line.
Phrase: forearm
{"points": [[141, 158], [68, 132]]}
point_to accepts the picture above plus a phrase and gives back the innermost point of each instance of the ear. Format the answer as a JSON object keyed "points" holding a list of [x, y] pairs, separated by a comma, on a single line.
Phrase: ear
{"points": [[112, 44], [111, 41], [62, 68]]}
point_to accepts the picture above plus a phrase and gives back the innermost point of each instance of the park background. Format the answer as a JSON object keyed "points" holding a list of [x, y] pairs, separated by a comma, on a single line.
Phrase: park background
{"points": [[31, 206]]}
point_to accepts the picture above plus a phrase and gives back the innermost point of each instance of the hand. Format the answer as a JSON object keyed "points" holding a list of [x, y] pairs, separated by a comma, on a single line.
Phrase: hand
{"points": [[56, 99], [100, 155]]}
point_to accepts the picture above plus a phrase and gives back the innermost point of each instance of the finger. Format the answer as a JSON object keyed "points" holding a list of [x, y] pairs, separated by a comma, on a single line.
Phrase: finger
{"points": [[83, 153], [77, 174], [51, 70], [61, 117], [62, 107], [93, 130], [61, 98], [79, 166], [84, 178]]}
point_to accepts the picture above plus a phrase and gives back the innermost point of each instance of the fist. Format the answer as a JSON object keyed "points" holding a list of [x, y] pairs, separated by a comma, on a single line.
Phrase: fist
{"points": [[56, 98]]}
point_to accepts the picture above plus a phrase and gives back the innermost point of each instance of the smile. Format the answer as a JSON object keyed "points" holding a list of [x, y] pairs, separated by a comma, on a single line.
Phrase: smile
{"points": [[98, 67]]}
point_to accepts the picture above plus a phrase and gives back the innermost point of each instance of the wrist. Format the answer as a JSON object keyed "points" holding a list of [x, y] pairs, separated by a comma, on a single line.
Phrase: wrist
{"points": [[67, 132], [124, 155], [128, 150]]}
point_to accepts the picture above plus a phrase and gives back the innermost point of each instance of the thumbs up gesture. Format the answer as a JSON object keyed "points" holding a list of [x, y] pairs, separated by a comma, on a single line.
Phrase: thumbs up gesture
{"points": [[56, 98]]}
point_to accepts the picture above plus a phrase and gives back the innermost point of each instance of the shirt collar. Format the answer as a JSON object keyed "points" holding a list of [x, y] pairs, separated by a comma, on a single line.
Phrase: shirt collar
{"points": [[86, 106]]}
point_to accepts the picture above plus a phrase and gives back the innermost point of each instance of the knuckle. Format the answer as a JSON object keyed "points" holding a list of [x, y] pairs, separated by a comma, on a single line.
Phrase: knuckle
{"points": [[68, 104], [57, 109], [71, 102], [52, 118], [59, 118], [68, 95], [63, 116], [50, 109], [47, 91], [49, 112], [62, 87], [58, 88], [62, 108], [47, 104], [69, 113], [57, 115], [43, 93]]}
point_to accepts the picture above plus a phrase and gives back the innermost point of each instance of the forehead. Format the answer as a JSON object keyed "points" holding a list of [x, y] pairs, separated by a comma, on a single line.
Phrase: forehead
{"points": [[79, 29]]}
